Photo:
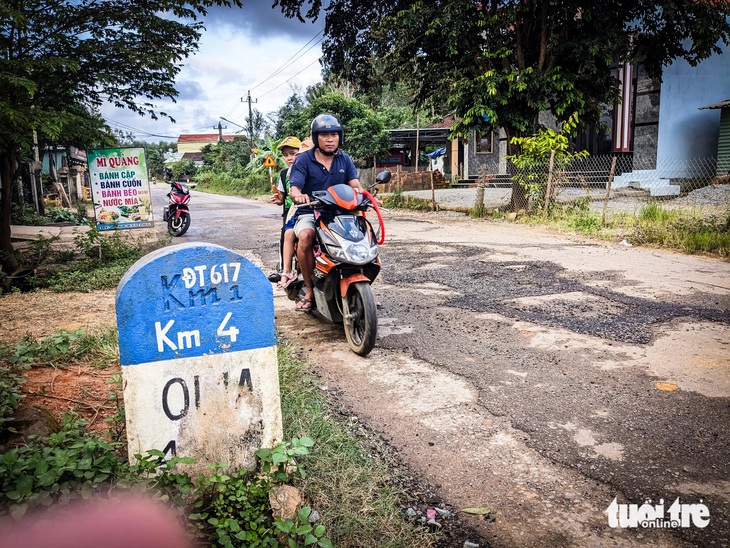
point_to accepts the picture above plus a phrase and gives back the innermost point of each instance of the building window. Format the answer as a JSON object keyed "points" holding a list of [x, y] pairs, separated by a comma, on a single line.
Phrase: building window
{"points": [[484, 142]]}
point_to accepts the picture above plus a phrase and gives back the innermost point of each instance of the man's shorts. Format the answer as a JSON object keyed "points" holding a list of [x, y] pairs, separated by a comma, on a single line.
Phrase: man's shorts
{"points": [[289, 224], [304, 222]]}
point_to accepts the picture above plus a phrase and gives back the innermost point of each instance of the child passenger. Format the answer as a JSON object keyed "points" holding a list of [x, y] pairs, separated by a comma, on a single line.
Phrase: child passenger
{"points": [[289, 148], [288, 275]]}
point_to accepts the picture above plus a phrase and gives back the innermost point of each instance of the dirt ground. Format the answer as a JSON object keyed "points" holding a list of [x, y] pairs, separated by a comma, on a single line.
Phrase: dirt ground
{"points": [[58, 389]]}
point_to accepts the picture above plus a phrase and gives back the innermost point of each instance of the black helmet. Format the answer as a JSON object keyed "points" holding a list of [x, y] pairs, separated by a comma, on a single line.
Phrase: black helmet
{"points": [[325, 123]]}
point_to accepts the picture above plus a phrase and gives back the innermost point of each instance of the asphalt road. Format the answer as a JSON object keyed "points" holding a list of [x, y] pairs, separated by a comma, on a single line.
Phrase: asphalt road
{"points": [[531, 373]]}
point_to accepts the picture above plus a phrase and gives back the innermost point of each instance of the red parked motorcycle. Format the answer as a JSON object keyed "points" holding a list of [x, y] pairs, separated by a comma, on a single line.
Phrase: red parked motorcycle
{"points": [[177, 213]]}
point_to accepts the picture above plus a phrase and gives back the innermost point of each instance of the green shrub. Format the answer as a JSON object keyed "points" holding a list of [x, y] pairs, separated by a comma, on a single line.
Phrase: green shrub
{"points": [[252, 184], [23, 214], [58, 348], [11, 381], [398, 200], [61, 214], [533, 163], [85, 276], [233, 508], [63, 466], [106, 257], [108, 246]]}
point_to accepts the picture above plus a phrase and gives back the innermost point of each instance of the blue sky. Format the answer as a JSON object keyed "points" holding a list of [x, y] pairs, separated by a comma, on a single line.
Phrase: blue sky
{"points": [[255, 48]]}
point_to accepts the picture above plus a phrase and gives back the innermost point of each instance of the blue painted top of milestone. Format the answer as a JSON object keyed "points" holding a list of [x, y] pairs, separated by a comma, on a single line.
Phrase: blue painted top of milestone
{"points": [[190, 300]]}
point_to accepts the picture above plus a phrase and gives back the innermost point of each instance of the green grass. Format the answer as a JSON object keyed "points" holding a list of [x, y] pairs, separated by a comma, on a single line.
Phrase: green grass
{"points": [[689, 230], [101, 348], [350, 488], [653, 214], [353, 489], [479, 211], [225, 184], [397, 200]]}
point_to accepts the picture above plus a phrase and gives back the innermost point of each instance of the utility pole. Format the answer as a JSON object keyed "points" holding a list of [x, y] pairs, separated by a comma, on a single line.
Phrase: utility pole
{"points": [[220, 128], [250, 120]]}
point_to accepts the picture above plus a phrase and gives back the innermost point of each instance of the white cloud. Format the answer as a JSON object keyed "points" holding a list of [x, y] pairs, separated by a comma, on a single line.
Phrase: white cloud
{"points": [[239, 51]]}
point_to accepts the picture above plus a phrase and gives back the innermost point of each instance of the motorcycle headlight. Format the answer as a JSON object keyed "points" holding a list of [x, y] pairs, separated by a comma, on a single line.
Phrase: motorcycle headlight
{"points": [[356, 252]]}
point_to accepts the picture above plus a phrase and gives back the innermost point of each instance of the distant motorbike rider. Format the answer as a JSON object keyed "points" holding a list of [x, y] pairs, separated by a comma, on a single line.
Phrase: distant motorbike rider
{"points": [[317, 169]]}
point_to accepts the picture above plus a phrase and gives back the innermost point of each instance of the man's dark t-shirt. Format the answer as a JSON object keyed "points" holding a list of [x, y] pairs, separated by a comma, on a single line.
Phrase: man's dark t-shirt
{"points": [[308, 175]]}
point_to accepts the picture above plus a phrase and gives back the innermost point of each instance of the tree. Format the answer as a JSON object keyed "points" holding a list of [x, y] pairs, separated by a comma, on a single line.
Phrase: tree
{"points": [[280, 118], [499, 63], [259, 124], [155, 154], [395, 106], [365, 134], [230, 157], [61, 59], [183, 170]]}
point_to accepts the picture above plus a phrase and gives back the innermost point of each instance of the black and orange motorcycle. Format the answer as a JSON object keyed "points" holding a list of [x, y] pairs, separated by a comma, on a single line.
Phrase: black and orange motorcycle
{"points": [[346, 262]]}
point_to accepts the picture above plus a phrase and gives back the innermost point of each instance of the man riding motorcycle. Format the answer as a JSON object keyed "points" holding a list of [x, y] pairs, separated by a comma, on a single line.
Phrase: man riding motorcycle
{"points": [[317, 169]]}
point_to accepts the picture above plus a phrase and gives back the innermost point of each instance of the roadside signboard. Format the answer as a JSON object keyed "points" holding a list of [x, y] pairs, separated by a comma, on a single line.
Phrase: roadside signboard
{"points": [[120, 188], [197, 344]]}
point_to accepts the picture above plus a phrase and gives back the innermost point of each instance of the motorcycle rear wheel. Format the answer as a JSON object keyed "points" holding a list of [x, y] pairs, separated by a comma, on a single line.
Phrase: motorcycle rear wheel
{"points": [[361, 318], [177, 225]]}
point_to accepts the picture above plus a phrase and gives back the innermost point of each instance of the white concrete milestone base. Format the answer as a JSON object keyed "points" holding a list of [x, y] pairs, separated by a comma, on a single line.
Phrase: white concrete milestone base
{"points": [[197, 345]]}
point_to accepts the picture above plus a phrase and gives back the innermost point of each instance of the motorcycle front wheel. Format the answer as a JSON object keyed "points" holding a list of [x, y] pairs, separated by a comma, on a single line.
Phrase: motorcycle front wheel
{"points": [[360, 318], [177, 225]]}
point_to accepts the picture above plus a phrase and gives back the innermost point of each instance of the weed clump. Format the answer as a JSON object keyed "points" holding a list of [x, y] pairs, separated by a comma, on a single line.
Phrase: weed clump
{"points": [[398, 200]]}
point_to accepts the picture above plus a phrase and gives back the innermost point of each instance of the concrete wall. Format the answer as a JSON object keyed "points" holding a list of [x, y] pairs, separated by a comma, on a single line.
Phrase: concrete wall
{"points": [[684, 131], [476, 163]]}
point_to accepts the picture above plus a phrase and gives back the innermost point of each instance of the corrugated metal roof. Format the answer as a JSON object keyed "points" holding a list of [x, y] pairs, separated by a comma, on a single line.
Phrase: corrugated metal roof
{"points": [[721, 104]]}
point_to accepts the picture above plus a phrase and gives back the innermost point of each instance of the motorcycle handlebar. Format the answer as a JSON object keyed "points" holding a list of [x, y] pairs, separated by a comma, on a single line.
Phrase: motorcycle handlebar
{"points": [[315, 203]]}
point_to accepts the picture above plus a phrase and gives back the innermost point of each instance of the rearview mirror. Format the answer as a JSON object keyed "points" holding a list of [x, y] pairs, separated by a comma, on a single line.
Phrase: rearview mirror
{"points": [[383, 177]]}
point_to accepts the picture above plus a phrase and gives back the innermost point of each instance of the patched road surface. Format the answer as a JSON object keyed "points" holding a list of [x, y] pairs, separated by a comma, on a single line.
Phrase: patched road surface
{"points": [[534, 374]]}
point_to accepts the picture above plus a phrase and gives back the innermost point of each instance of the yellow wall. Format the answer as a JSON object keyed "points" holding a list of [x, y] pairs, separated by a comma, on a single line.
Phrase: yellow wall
{"points": [[193, 147]]}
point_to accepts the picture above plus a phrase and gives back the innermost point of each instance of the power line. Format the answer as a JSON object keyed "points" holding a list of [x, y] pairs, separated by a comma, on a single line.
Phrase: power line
{"points": [[289, 80], [291, 59], [288, 63], [138, 131], [296, 56]]}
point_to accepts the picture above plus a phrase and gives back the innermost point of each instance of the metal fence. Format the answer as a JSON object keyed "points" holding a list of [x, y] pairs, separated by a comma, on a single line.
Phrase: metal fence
{"points": [[618, 181]]}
